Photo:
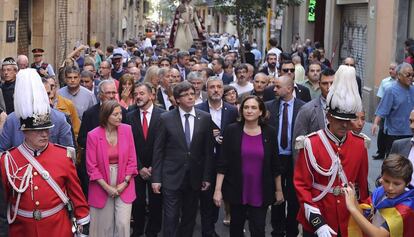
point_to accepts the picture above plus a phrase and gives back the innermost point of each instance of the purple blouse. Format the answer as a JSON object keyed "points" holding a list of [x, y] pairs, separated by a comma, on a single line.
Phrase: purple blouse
{"points": [[252, 156]]}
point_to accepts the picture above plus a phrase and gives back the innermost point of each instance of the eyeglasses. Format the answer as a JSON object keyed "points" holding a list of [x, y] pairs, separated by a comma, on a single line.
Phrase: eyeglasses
{"points": [[110, 92], [408, 74], [286, 70], [232, 92]]}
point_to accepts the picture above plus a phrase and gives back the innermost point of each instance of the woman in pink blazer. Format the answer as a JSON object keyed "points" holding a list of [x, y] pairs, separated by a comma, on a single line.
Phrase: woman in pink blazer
{"points": [[111, 165]]}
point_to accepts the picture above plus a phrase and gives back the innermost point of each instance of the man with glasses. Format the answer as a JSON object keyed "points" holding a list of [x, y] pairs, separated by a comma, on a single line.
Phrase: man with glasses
{"points": [[242, 84], [62, 104], [181, 163], [9, 72], [385, 84], [81, 97], [395, 107], [301, 92]]}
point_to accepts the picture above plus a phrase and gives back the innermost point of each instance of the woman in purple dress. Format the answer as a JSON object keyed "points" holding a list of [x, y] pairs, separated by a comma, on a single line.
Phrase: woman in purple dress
{"points": [[248, 170]]}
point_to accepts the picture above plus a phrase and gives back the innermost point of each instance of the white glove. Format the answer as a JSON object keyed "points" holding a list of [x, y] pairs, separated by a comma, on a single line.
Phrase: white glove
{"points": [[325, 231], [314, 216]]}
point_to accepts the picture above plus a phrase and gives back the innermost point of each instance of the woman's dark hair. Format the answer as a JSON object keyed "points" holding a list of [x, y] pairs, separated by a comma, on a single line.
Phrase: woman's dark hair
{"points": [[397, 166], [228, 88], [262, 108], [107, 108], [123, 80], [164, 59]]}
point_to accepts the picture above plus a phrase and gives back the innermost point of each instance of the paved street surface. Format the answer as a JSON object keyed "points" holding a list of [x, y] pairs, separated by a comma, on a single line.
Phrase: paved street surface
{"points": [[374, 170]]}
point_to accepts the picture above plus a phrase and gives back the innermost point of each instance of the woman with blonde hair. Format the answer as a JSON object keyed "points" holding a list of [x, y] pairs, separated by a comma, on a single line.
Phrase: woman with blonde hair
{"points": [[151, 76]]}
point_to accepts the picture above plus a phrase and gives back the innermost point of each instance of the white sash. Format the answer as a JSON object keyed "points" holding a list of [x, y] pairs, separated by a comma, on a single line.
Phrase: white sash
{"points": [[45, 175]]}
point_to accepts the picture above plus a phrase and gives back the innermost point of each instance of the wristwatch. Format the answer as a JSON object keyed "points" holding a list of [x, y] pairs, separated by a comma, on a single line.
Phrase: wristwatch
{"points": [[126, 181]]}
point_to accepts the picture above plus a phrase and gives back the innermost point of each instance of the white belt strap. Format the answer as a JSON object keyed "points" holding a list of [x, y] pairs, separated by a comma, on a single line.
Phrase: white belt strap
{"points": [[332, 154], [44, 214], [45, 175]]}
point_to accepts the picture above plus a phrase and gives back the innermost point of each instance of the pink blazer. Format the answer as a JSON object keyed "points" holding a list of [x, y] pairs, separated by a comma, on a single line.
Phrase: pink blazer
{"points": [[97, 164]]}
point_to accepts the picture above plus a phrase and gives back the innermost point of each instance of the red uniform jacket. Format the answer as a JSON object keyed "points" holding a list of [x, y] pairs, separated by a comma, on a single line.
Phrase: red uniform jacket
{"points": [[60, 167], [354, 160]]}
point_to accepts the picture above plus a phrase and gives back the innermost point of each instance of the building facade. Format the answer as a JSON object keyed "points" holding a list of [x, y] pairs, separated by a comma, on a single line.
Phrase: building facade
{"points": [[371, 31], [58, 26]]}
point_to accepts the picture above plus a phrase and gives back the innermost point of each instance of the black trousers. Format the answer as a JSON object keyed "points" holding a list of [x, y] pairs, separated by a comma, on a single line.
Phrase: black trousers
{"points": [[381, 143], [180, 210], [209, 212], [82, 173], [285, 223], [151, 224], [255, 215]]}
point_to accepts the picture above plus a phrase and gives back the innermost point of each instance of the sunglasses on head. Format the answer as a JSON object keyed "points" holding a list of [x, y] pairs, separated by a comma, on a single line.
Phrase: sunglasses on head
{"points": [[286, 70]]}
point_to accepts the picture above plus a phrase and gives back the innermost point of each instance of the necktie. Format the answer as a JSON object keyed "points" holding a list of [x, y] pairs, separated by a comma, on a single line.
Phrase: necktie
{"points": [[183, 73], [284, 138], [144, 124], [187, 130]]}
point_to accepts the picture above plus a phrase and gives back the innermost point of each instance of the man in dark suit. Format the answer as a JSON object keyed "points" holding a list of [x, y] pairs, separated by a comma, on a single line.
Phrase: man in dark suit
{"points": [[181, 161], [218, 68], [90, 120], [183, 57], [300, 92], [163, 94], [283, 112], [405, 145], [312, 116], [222, 114], [145, 123]]}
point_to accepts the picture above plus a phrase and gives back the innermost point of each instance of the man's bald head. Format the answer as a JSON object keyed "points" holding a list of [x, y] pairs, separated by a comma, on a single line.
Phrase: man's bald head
{"points": [[22, 62], [284, 87], [286, 80]]}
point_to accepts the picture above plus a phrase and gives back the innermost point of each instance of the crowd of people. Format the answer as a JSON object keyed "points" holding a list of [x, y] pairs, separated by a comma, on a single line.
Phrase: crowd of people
{"points": [[136, 140]]}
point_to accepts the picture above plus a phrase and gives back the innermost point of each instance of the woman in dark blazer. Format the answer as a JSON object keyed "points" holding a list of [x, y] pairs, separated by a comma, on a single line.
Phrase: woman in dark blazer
{"points": [[248, 169]]}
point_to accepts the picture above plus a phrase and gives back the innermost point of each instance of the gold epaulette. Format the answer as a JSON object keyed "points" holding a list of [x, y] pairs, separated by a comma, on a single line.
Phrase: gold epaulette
{"points": [[367, 140], [70, 152]]}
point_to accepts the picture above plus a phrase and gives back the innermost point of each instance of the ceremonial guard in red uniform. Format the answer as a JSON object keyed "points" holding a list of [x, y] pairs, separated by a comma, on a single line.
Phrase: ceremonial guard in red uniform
{"points": [[329, 159], [43, 194]]}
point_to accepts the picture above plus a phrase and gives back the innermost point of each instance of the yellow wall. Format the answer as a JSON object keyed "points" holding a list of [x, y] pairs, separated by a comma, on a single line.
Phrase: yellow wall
{"points": [[7, 14], [385, 38]]}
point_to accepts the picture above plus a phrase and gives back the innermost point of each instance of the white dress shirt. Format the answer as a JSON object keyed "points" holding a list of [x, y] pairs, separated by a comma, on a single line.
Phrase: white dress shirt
{"points": [[190, 120], [216, 114], [167, 101], [148, 115]]}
